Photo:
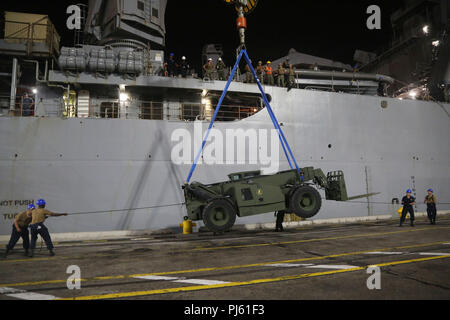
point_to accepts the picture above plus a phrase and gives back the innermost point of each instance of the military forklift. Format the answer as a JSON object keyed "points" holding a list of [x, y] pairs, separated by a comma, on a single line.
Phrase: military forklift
{"points": [[251, 193]]}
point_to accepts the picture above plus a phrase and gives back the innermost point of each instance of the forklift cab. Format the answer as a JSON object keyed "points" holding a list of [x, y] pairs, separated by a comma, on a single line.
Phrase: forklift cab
{"points": [[244, 175]]}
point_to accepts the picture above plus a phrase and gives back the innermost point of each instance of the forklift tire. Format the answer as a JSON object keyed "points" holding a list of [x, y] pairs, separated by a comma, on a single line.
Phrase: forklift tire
{"points": [[219, 215], [305, 202]]}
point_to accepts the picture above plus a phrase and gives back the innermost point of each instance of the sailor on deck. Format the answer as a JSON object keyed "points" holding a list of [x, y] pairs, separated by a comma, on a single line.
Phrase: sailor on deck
{"points": [[220, 66], [37, 226], [286, 65], [280, 219], [20, 230], [269, 74], [172, 66], [208, 70], [260, 71], [281, 73], [408, 202], [184, 66], [27, 106], [431, 201], [248, 74]]}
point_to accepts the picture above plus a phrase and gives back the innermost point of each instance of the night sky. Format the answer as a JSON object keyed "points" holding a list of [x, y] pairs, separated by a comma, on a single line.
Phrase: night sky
{"points": [[328, 28]]}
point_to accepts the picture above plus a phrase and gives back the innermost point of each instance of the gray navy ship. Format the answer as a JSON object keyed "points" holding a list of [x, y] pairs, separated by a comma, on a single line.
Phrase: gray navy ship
{"points": [[105, 140]]}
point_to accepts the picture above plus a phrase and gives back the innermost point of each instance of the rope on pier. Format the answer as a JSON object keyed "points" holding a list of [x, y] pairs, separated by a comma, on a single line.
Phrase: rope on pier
{"points": [[182, 204]]}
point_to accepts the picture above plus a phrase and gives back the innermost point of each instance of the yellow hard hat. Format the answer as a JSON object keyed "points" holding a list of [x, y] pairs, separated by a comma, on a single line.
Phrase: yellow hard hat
{"points": [[268, 62]]}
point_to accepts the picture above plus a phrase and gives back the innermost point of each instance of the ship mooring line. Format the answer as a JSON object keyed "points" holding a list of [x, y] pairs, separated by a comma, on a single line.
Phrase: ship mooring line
{"points": [[183, 203], [130, 209], [386, 203], [389, 203]]}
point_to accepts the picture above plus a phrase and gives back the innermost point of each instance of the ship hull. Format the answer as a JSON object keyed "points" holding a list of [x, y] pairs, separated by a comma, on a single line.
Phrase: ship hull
{"points": [[118, 174]]}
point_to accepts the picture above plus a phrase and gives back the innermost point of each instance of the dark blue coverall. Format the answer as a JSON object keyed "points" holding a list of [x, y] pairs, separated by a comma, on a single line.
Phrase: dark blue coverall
{"points": [[42, 230], [408, 208], [16, 235], [280, 219], [172, 67]]}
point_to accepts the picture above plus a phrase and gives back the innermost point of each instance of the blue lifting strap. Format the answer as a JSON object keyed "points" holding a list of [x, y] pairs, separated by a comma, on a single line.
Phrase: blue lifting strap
{"points": [[286, 148]]}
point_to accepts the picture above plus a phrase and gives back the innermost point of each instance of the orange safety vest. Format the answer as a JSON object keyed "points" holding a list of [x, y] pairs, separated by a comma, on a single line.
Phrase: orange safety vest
{"points": [[269, 70]]}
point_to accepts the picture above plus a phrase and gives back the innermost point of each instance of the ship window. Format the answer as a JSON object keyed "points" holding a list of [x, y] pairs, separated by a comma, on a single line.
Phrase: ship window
{"points": [[109, 110], [246, 194], [191, 111], [155, 12], [141, 5], [152, 110]]}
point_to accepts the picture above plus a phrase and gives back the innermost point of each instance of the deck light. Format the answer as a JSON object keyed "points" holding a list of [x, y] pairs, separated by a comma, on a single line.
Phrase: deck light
{"points": [[124, 97]]}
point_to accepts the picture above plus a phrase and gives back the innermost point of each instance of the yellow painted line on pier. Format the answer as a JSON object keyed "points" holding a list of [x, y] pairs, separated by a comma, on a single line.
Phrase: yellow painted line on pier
{"points": [[53, 258], [239, 246], [209, 269], [365, 235], [246, 283]]}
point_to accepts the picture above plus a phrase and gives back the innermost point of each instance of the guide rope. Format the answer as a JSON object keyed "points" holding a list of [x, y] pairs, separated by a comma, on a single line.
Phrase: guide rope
{"points": [[130, 209], [182, 204]]}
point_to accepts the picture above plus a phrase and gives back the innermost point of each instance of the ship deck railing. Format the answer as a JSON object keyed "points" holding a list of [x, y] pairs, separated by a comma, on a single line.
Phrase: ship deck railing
{"points": [[25, 38], [20, 111], [137, 109], [331, 82], [151, 110]]}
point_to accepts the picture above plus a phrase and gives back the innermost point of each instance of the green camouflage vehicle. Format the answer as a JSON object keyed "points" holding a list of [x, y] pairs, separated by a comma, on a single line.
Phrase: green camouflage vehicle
{"points": [[250, 193]]}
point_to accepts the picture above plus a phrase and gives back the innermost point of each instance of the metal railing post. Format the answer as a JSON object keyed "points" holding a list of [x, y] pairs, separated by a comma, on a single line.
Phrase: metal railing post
{"points": [[21, 106], [12, 103]]}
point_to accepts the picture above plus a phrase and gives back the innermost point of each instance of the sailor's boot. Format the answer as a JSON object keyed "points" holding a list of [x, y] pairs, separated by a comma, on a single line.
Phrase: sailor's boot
{"points": [[6, 253], [31, 255], [51, 253]]}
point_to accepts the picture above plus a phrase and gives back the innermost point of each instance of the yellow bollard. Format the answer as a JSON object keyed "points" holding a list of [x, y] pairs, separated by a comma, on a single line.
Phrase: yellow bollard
{"points": [[292, 217], [187, 226], [400, 211]]}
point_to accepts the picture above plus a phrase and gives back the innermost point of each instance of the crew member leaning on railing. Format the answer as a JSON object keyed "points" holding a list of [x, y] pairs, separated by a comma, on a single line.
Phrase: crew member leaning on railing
{"points": [[27, 106]]}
